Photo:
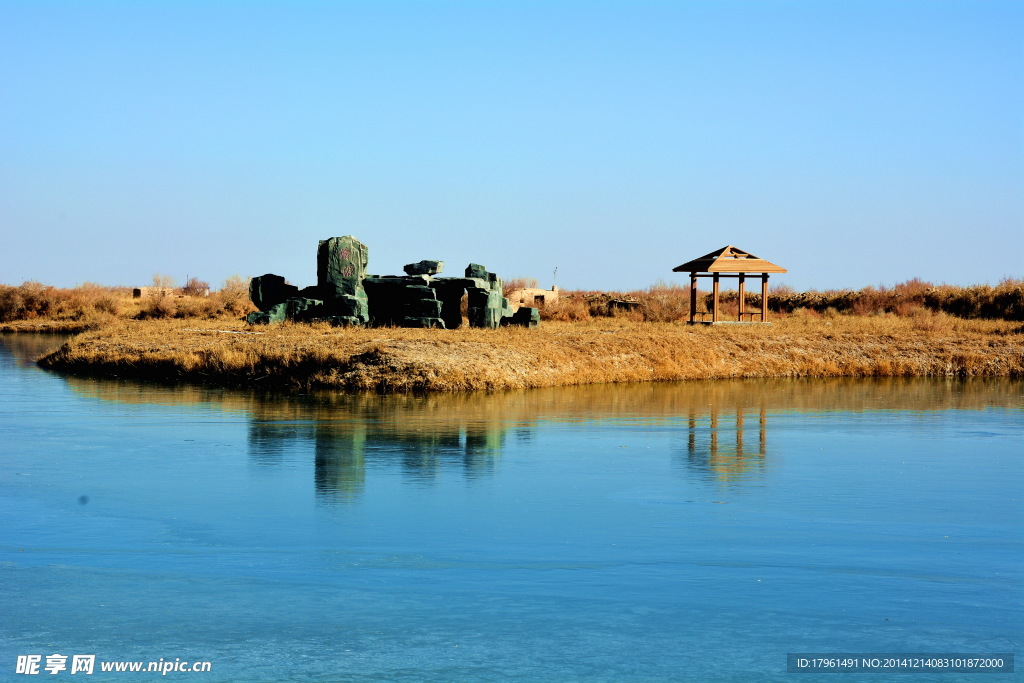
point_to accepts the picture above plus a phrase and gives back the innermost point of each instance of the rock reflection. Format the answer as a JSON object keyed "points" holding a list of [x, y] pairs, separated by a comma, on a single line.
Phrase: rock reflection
{"points": [[343, 454], [421, 436], [340, 465]]}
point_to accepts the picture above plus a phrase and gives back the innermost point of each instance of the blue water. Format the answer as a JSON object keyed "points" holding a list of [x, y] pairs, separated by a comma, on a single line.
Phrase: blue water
{"points": [[661, 532]]}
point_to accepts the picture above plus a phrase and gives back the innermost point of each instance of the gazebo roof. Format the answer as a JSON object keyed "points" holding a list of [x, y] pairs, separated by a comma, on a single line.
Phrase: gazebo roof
{"points": [[729, 259]]}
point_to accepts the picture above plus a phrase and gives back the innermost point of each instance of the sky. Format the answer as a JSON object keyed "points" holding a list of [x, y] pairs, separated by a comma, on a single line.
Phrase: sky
{"points": [[852, 142]]}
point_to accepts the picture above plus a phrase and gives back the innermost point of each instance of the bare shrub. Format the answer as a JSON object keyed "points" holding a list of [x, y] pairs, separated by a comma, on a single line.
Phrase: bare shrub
{"points": [[931, 321], [196, 307], [1004, 301], [158, 306], [569, 308], [108, 303], [26, 301], [161, 281], [663, 302], [233, 296], [195, 287]]}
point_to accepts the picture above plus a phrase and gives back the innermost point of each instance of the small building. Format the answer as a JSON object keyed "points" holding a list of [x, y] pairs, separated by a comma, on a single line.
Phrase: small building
{"points": [[533, 297], [140, 292], [728, 262]]}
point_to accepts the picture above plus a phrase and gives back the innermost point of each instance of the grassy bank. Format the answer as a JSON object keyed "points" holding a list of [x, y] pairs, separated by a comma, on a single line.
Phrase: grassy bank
{"points": [[308, 357]]}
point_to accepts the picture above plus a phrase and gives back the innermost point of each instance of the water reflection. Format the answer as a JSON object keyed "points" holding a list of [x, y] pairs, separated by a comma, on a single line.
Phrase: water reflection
{"points": [[718, 445], [369, 432], [723, 426], [348, 433], [22, 349]]}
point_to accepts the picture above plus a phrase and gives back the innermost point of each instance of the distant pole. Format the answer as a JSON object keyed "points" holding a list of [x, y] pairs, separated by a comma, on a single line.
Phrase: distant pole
{"points": [[554, 278]]}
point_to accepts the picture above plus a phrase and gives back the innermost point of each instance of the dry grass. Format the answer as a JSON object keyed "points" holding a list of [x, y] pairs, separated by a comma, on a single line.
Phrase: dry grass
{"points": [[669, 302], [35, 307], [1004, 301], [308, 357]]}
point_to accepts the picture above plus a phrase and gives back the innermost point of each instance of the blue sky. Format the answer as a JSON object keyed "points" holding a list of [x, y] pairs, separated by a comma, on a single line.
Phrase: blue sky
{"points": [[853, 142]]}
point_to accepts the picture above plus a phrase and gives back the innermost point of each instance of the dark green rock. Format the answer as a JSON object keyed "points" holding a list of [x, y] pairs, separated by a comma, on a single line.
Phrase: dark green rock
{"points": [[476, 270], [393, 299], [343, 321], [340, 266], [266, 291], [349, 306], [311, 292], [276, 314], [423, 308], [424, 268], [298, 308], [464, 282], [418, 291], [525, 317], [485, 307]]}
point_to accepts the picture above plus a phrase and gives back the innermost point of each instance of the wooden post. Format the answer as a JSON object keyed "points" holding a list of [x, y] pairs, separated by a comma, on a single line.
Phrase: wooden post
{"points": [[693, 297], [742, 302], [714, 299], [764, 297]]}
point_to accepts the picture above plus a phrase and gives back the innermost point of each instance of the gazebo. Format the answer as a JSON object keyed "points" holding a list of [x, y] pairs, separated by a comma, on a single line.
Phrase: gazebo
{"points": [[728, 262]]}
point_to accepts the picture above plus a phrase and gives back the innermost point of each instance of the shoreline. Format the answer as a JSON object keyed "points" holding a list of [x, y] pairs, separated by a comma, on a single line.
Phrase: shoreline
{"points": [[296, 357], [46, 327]]}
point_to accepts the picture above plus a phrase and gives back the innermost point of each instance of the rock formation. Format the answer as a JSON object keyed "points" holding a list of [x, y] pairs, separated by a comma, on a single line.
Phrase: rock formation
{"points": [[346, 295]]}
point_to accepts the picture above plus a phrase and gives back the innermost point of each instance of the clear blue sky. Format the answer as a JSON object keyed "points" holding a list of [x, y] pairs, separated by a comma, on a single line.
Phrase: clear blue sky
{"points": [[853, 142]]}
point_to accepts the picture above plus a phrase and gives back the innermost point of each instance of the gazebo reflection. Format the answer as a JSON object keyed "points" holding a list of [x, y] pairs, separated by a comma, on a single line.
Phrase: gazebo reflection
{"points": [[718, 444]]}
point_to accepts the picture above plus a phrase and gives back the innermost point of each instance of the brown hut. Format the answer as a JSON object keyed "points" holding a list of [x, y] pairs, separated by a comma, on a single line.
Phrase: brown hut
{"points": [[728, 262]]}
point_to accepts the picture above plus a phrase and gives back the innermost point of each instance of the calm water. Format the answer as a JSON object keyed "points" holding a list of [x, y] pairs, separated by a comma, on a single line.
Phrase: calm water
{"points": [[689, 531]]}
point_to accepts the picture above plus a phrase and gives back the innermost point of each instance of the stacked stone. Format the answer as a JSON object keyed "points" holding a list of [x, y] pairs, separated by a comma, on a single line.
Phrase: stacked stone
{"points": [[524, 316], [487, 306], [449, 291], [424, 268], [408, 301]]}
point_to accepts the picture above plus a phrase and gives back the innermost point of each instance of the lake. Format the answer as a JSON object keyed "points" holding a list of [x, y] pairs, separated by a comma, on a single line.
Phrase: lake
{"points": [[646, 532]]}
